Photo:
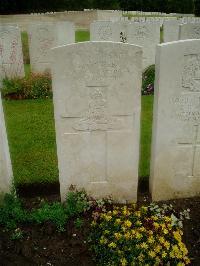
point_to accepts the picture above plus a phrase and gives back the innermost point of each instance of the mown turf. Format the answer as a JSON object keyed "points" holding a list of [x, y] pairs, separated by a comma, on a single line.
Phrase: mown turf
{"points": [[31, 135], [82, 36]]}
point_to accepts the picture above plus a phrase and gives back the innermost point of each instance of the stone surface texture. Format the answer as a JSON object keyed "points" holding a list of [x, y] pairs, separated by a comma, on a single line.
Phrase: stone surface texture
{"points": [[104, 31], [97, 101], [11, 57], [175, 160], [189, 31], [171, 30], [146, 35], [43, 37]]}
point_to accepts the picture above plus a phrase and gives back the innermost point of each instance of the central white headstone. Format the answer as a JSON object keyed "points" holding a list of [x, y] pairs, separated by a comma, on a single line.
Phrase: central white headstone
{"points": [[43, 37], [175, 166], [96, 87]]}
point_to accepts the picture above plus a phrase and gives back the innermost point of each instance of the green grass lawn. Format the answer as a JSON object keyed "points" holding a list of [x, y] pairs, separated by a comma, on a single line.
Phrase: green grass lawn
{"points": [[31, 135], [82, 36]]}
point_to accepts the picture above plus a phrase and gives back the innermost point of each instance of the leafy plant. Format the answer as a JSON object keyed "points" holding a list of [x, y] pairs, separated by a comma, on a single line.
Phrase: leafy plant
{"points": [[54, 213], [148, 78], [33, 86], [12, 213], [79, 223]]}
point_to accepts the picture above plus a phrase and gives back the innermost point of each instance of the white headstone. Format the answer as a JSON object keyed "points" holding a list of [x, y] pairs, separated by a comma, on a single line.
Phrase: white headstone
{"points": [[171, 30], [43, 37], [11, 57], [175, 166], [96, 87], [104, 31], [146, 35], [5, 162], [189, 31]]}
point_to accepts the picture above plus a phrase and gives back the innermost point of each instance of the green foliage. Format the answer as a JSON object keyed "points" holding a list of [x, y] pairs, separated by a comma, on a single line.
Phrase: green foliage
{"points": [[54, 213], [197, 7], [79, 223], [174, 6], [148, 77], [33, 86], [77, 202], [12, 212]]}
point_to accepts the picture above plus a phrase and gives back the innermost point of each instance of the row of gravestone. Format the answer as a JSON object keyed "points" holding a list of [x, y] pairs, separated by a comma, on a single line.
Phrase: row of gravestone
{"points": [[42, 37], [97, 105]]}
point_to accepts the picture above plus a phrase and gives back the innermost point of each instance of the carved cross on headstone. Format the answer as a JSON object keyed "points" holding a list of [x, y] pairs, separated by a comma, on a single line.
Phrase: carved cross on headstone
{"points": [[194, 144], [98, 122]]}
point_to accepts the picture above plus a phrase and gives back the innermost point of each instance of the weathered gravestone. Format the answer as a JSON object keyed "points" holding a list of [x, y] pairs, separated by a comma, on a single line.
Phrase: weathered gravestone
{"points": [[96, 89], [43, 37], [175, 166], [104, 31], [146, 35], [5, 162], [171, 30], [189, 31], [11, 57]]}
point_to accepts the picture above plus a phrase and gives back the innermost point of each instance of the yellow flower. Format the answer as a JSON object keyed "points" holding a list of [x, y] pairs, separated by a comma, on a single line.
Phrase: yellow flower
{"points": [[112, 245], [152, 254], [141, 257], [115, 212], [166, 245], [103, 240], [156, 225], [181, 264], [162, 240], [117, 235], [127, 223], [138, 223], [144, 209], [108, 217], [93, 223], [164, 254], [118, 221], [142, 229], [127, 235], [157, 248], [123, 262], [150, 240], [165, 231], [138, 214], [155, 218], [187, 260], [177, 235], [167, 219], [144, 245], [138, 235]]}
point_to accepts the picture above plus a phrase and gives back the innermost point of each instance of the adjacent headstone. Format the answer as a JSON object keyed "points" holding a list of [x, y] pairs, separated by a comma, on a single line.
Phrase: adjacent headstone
{"points": [[11, 57], [96, 87], [43, 37], [104, 31], [189, 31], [175, 165], [5, 162], [146, 35], [171, 30]]}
